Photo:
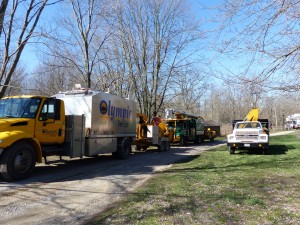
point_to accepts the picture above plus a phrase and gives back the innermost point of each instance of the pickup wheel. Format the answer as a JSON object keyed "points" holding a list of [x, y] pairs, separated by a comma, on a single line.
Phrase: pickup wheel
{"points": [[124, 149], [231, 150], [17, 162], [266, 151]]}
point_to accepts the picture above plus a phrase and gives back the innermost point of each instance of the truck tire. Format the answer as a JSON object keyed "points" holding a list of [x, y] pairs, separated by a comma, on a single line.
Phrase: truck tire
{"points": [[167, 146], [202, 138], [182, 141], [231, 150], [197, 139], [164, 146], [138, 148], [17, 162], [124, 149], [161, 147], [266, 151]]}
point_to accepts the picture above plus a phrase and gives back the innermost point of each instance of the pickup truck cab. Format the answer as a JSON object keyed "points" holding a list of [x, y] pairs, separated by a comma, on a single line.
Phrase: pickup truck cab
{"points": [[248, 135]]}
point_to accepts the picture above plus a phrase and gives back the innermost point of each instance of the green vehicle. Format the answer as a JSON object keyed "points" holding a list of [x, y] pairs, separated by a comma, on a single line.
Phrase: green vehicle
{"points": [[183, 128]]}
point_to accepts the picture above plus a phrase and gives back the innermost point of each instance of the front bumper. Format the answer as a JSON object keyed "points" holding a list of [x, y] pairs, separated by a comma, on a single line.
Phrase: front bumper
{"points": [[248, 145]]}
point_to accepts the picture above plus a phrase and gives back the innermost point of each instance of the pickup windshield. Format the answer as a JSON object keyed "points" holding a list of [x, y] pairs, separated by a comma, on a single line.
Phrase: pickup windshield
{"points": [[253, 125], [19, 107]]}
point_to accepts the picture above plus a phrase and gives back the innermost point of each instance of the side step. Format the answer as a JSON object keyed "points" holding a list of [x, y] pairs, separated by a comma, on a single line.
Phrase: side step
{"points": [[52, 151]]}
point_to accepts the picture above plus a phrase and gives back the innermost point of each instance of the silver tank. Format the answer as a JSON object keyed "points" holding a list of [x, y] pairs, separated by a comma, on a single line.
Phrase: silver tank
{"points": [[105, 114]]}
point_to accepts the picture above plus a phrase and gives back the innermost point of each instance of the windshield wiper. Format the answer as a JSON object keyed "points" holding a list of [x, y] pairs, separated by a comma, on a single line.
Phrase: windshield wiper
{"points": [[9, 116]]}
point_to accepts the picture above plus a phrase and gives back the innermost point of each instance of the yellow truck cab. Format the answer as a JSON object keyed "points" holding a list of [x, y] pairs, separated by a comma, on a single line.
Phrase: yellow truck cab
{"points": [[27, 123]]}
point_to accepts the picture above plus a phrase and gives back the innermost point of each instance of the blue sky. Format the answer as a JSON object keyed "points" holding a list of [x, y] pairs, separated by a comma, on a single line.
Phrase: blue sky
{"points": [[30, 59]]}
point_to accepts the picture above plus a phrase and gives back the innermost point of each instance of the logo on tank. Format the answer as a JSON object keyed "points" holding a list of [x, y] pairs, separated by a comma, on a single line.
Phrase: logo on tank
{"points": [[113, 111]]}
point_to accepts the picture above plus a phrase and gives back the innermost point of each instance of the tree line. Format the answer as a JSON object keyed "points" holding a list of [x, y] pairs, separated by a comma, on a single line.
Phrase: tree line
{"points": [[158, 52]]}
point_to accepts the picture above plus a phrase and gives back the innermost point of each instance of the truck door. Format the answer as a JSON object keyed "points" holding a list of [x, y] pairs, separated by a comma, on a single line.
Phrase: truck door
{"points": [[50, 126]]}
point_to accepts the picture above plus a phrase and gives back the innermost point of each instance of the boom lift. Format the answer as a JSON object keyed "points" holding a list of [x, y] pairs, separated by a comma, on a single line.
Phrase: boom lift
{"points": [[249, 133]]}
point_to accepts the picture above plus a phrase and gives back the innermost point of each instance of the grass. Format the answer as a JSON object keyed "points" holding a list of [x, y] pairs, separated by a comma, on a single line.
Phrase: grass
{"points": [[219, 188]]}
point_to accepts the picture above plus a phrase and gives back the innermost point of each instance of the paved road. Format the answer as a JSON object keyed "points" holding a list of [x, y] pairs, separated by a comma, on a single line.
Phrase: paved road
{"points": [[73, 191]]}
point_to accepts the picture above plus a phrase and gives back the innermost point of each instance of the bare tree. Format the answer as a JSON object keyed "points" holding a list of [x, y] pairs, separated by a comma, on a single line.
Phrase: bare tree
{"points": [[79, 40], [154, 35], [262, 40], [19, 26], [3, 7], [187, 90], [48, 79], [112, 72]]}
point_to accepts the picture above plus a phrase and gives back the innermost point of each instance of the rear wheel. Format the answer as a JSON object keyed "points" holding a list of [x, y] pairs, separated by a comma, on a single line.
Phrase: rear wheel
{"points": [[197, 139], [124, 149], [138, 148], [162, 147], [167, 146], [17, 162], [182, 141]]}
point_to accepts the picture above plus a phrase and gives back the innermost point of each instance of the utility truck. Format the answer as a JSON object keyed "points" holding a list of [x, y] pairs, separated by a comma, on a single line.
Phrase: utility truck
{"points": [[74, 123], [249, 133], [182, 127]]}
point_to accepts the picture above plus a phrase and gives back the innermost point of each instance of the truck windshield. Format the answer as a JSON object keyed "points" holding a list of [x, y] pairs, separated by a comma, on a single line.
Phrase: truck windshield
{"points": [[19, 107], [177, 125], [248, 125]]}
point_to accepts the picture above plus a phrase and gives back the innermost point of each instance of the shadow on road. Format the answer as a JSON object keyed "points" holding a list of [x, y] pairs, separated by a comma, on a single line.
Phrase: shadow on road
{"points": [[105, 165]]}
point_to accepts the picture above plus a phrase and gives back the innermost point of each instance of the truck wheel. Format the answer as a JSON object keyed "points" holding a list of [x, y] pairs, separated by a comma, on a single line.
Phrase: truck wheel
{"points": [[17, 162], [124, 150], [231, 150], [197, 140], [138, 148], [182, 141], [162, 146], [167, 146], [266, 151]]}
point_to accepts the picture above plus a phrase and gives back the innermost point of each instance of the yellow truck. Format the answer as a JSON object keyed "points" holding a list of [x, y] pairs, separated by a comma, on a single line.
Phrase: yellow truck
{"points": [[74, 123]]}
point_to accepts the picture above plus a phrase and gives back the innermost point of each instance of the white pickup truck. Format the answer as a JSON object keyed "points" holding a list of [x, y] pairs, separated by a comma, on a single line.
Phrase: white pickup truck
{"points": [[249, 135]]}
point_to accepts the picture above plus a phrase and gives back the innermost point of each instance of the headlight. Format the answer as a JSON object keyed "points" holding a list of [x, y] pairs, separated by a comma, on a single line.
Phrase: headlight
{"points": [[230, 137], [263, 137]]}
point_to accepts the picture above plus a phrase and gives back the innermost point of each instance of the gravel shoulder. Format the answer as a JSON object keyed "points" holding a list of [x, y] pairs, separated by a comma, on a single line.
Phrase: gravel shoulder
{"points": [[73, 191]]}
